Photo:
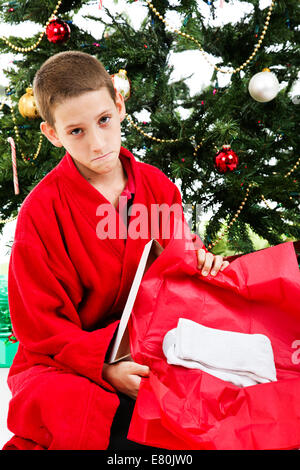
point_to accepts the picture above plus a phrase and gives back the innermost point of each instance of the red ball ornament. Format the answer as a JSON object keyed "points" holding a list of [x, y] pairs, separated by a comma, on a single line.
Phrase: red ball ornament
{"points": [[226, 160], [58, 31]]}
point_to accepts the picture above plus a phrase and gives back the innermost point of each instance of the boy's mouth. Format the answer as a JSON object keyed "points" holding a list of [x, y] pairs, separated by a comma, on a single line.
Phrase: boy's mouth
{"points": [[102, 156]]}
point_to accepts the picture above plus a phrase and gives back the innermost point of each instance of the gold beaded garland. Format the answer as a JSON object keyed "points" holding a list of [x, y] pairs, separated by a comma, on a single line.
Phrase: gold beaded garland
{"points": [[196, 147], [188, 36], [138, 128], [234, 219], [34, 46], [266, 202], [9, 219], [285, 176], [293, 169]]}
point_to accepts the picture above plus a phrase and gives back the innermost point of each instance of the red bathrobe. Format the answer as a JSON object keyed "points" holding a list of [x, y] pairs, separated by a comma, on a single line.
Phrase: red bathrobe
{"points": [[67, 289]]}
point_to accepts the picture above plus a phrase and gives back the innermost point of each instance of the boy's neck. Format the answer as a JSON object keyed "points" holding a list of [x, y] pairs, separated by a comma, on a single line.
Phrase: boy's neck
{"points": [[110, 184], [112, 179]]}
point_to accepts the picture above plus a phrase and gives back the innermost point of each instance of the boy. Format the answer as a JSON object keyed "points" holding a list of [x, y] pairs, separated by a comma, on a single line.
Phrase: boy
{"points": [[67, 284]]}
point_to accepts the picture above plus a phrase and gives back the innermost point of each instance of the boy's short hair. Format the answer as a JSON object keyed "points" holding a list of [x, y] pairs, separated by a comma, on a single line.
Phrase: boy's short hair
{"points": [[66, 75]]}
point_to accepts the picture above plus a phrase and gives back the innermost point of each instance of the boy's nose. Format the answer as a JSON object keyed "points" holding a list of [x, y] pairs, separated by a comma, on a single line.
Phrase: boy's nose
{"points": [[96, 141]]}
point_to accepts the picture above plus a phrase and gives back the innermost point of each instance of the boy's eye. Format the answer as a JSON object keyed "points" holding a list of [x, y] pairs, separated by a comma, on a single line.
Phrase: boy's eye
{"points": [[104, 120], [75, 131]]}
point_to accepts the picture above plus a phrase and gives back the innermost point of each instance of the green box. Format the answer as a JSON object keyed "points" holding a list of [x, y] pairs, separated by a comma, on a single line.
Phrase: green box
{"points": [[7, 350]]}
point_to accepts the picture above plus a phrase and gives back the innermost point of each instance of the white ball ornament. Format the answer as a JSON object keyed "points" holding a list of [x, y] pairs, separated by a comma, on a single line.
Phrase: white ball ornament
{"points": [[264, 86], [122, 83]]}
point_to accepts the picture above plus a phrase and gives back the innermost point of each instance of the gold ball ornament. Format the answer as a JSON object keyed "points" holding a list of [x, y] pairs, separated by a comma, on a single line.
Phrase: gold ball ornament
{"points": [[27, 105], [122, 83]]}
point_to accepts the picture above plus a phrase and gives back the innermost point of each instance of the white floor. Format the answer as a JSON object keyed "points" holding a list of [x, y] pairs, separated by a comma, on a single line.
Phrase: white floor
{"points": [[5, 395]]}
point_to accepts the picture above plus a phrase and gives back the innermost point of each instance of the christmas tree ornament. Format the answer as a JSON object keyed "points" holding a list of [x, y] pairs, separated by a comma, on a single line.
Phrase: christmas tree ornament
{"points": [[58, 31], [263, 86], [226, 160], [296, 99], [14, 164], [122, 83], [27, 105], [41, 35]]}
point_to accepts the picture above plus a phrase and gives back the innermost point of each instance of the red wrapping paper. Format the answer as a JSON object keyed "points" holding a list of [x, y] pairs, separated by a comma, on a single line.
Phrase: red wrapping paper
{"points": [[180, 408]]}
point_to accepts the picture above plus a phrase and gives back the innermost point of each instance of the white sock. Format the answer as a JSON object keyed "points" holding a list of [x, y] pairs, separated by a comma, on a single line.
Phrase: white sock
{"points": [[169, 351], [240, 358]]}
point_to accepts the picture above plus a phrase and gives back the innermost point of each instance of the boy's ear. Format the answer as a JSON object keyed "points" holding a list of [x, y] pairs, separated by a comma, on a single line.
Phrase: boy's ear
{"points": [[50, 133], [120, 105]]}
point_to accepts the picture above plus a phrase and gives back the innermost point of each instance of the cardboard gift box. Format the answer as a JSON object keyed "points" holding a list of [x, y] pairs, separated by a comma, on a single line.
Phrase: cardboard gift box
{"points": [[121, 348]]}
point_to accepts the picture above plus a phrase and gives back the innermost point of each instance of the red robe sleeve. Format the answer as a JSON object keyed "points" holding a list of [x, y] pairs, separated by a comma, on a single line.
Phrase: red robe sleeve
{"points": [[45, 318]]}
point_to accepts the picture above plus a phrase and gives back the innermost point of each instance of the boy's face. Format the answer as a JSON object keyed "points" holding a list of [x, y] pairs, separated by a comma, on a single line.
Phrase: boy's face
{"points": [[88, 127]]}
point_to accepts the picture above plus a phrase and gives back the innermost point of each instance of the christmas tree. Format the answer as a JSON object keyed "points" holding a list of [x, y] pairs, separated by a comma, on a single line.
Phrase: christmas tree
{"points": [[233, 149]]}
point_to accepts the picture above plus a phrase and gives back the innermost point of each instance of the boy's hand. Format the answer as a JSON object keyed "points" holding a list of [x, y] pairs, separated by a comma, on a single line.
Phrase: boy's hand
{"points": [[125, 376], [209, 263]]}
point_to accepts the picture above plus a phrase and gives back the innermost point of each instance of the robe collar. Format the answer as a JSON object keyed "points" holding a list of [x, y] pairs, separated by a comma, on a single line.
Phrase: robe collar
{"points": [[129, 191]]}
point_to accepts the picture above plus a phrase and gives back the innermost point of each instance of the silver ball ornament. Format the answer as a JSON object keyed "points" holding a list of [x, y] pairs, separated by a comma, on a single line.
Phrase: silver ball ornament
{"points": [[263, 86]]}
